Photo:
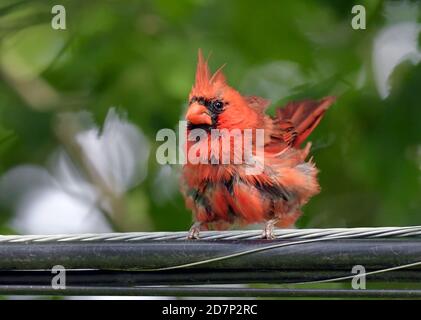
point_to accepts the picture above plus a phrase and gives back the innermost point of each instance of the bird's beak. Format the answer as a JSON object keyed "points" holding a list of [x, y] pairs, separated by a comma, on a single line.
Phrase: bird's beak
{"points": [[198, 114]]}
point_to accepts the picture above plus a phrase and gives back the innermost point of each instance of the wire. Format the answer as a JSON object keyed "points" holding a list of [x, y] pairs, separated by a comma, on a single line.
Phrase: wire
{"points": [[302, 236], [247, 239], [360, 275], [281, 234], [208, 291]]}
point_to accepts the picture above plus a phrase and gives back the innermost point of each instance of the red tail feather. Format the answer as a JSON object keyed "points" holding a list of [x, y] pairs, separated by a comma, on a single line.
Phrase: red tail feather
{"points": [[304, 116]]}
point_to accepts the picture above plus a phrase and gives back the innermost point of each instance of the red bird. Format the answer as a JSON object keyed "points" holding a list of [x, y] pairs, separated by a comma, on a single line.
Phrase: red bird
{"points": [[222, 194]]}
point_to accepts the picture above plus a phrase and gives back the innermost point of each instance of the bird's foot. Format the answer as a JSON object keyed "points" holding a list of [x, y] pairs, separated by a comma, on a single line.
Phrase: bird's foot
{"points": [[268, 229], [268, 234], [194, 231]]}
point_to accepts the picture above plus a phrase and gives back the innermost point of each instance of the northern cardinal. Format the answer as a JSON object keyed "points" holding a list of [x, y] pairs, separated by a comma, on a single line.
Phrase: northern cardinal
{"points": [[223, 194]]}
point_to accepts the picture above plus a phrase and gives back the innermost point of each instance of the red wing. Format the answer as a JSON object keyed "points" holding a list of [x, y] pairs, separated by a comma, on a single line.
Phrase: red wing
{"points": [[257, 103], [295, 122]]}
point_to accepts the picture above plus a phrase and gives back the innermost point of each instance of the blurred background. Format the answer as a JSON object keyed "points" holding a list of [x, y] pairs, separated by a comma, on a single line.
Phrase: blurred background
{"points": [[80, 107]]}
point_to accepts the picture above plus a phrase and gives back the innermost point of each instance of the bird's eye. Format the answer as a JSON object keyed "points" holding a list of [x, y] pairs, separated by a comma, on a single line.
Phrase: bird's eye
{"points": [[217, 104]]}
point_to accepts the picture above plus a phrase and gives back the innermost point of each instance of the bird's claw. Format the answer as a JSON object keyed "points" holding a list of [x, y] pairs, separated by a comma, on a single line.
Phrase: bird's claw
{"points": [[268, 230], [194, 232], [268, 234]]}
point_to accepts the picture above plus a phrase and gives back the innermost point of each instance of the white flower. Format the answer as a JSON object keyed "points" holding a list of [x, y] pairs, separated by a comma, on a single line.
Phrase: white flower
{"points": [[395, 43], [119, 152], [63, 199]]}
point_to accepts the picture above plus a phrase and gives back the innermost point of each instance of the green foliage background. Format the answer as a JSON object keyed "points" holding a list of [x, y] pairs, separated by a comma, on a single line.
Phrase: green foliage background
{"points": [[140, 56]]}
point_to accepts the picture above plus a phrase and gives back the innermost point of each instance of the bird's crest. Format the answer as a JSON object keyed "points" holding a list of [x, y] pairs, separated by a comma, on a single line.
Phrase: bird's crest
{"points": [[207, 84]]}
